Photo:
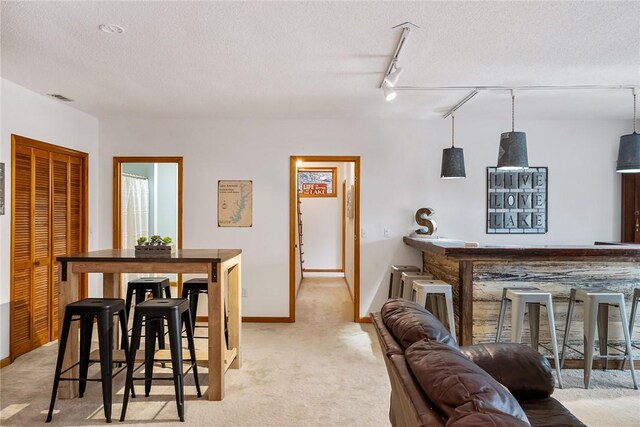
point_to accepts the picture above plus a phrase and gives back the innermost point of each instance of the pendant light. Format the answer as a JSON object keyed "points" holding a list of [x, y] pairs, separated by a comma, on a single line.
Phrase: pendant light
{"points": [[512, 154], [629, 150], [452, 158]]}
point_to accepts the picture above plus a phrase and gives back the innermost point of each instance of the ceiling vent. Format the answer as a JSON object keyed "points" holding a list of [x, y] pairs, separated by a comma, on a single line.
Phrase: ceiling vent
{"points": [[60, 97]]}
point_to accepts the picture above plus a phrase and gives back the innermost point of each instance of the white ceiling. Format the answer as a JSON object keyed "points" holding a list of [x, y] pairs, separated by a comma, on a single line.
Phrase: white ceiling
{"points": [[322, 59]]}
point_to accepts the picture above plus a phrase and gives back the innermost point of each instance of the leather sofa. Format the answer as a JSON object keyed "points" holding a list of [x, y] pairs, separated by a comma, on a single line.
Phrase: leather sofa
{"points": [[436, 383]]}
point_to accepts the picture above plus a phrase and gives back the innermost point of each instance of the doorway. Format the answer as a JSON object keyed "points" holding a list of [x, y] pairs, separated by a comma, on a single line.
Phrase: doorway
{"points": [[346, 187], [49, 194], [630, 208], [147, 201]]}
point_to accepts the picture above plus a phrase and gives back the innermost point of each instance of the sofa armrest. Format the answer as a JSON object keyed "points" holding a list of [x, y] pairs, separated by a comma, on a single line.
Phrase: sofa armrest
{"points": [[525, 372]]}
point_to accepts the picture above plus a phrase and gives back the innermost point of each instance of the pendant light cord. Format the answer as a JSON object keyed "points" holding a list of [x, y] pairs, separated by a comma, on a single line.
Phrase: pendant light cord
{"points": [[453, 129], [513, 112], [635, 105]]}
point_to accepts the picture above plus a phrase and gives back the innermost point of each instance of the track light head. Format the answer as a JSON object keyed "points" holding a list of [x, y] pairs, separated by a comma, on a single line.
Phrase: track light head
{"points": [[392, 77], [389, 93]]}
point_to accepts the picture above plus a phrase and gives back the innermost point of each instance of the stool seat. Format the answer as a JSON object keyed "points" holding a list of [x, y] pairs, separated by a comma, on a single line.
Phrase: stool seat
{"points": [[422, 289], [596, 315], [88, 306], [532, 298], [153, 312], [395, 278]]}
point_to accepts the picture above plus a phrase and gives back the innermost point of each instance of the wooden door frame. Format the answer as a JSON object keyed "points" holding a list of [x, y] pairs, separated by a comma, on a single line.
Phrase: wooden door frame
{"points": [[84, 211], [293, 190], [117, 198]]}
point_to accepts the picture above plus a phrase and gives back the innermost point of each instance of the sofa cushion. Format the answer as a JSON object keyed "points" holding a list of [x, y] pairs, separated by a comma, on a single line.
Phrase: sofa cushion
{"points": [[450, 380], [473, 414], [525, 372], [409, 323], [549, 413]]}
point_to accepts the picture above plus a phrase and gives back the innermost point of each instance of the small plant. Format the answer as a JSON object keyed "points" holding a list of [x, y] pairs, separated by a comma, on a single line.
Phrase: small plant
{"points": [[141, 240], [156, 239], [167, 240]]}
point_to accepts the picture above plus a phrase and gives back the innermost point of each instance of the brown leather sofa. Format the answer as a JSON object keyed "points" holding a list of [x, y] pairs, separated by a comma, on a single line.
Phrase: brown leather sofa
{"points": [[436, 383]]}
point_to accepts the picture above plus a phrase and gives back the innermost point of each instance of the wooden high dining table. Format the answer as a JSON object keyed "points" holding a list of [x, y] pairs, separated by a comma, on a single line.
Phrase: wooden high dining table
{"points": [[222, 267]]}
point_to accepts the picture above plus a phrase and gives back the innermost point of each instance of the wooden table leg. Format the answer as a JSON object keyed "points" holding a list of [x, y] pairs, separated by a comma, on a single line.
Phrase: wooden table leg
{"points": [[68, 292], [465, 302], [217, 346], [111, 289], [235, 312]]}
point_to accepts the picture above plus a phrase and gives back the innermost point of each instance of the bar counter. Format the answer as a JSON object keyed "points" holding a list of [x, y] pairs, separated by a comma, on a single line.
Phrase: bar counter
{"points": [[478, 275]]}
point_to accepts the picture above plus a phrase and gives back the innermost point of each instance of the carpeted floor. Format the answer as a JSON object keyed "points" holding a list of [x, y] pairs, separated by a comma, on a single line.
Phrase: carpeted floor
{"points": [[323, 370]]}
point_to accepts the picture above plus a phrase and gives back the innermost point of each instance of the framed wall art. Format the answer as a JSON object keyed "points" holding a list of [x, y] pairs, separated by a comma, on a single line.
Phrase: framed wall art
{"points": [[235, 203], [317, 182], [517, 201]]}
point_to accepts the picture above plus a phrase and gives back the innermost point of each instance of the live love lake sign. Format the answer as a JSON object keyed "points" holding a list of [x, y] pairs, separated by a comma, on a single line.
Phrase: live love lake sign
{"points": [[517, 201]]}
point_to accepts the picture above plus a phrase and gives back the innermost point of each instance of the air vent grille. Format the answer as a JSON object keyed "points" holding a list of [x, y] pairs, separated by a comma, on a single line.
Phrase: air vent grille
{"points": [[60, 97]]}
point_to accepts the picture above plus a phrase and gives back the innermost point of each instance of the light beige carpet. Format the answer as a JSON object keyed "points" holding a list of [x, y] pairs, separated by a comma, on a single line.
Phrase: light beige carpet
{"points": [[323, 370]]}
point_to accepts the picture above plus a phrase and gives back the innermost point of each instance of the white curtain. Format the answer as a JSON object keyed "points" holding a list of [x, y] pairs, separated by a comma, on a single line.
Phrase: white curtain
{"points": [[135, 210]]}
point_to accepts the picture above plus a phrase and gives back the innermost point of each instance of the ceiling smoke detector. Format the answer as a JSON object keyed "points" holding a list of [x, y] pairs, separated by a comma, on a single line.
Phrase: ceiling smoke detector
{"points": [[60, 97], [111, 28]]}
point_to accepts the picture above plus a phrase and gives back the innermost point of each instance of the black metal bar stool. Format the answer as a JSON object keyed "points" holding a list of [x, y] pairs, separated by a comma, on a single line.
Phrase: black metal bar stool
{"points": [[153, 312], [191, 289], [86, 311], [156, 286]]}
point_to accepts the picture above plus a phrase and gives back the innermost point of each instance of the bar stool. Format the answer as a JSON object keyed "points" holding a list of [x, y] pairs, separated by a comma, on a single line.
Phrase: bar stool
{"points": [[153, 312], [394, 279], [140, 288], [632, 319], [86, 311], [596, 313], [191, 289], [534, 315], [532, 298], [422, 289]]}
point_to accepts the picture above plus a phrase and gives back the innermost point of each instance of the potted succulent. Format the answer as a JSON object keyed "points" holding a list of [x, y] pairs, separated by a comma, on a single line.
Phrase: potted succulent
{"points": [[141, 240], [156, 245], [167, 240]]}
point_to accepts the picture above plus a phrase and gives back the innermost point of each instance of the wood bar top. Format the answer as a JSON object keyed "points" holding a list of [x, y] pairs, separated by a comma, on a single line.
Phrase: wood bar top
{"points": [[178, 256], [455, 249]]}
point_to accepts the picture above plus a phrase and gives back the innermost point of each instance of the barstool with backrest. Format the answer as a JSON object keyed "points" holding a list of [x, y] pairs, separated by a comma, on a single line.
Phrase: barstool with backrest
{"points": [[86, 311], [153, 312], [396, 277], [421, 291], [596, 314], [632, 319], [158, 287], [532, 298]]}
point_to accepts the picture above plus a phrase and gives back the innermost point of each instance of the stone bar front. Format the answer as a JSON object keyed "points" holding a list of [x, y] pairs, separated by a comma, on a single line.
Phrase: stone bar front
{"points": [[478, 275]]}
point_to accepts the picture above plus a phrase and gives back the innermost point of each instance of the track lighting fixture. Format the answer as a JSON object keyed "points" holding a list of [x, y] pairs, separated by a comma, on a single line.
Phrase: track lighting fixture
{"points": [[452, 158], [629, 149], [392, 78], [512, 154], [389, 93]]}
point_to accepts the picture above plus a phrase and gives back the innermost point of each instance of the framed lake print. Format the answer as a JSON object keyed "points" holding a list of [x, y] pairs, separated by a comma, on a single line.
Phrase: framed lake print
{"points": [[235, 203], [317, 182]]}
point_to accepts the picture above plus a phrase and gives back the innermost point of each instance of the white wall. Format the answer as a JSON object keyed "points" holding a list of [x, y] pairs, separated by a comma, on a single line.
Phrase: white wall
{"points": [[322, 225], [35, 116], [400, 165]]}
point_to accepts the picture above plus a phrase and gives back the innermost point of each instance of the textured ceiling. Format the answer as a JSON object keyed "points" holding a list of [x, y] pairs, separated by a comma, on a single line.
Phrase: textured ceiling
{"points": [[322, 59]]}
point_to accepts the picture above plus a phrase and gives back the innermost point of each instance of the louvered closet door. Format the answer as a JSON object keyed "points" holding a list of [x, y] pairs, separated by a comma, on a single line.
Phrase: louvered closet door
{"points": [[21, 330], [48, 221]]}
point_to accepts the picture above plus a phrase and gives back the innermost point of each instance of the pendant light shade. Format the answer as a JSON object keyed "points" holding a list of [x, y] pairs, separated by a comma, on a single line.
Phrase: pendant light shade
{"points": [[452, 159], [629, 149], [512, 154], [513, 151]]}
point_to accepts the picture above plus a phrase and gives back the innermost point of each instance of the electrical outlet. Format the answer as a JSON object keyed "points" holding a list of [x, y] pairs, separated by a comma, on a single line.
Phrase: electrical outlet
{"points": [[386, 233], [244, 292], [363, 233]]}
